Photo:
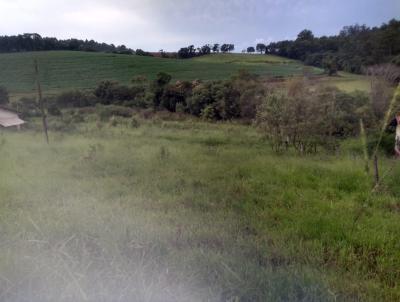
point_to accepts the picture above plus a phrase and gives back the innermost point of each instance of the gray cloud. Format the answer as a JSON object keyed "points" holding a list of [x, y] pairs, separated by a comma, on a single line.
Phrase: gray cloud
{"points": [[155, 24]]}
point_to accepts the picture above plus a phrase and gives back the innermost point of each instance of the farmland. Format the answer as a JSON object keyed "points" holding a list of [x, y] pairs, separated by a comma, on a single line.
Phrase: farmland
{"points": [[62, 70], [143, 204], [182, 210]]}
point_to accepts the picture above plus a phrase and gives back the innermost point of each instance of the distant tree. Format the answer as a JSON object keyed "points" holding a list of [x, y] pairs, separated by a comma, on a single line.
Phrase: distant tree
{"points": [[122, 49], [251, 49], [4, 98], [305, 35], [35, 42], [140, 52], [183, 53], [192, 50], [225, 48], [215, 48], [231, 47], [205, 50], [261, 48]]}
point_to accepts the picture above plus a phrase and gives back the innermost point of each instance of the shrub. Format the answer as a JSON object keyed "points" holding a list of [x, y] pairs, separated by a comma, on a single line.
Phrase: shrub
{"points": [[110, 92], [52, 109], [386, 144], [62, 125], [75, 98], [171, 96], [208, 113], [223, 97], [180, 108], [27, 107], [134, 123], [305, 118], [106, 112]]}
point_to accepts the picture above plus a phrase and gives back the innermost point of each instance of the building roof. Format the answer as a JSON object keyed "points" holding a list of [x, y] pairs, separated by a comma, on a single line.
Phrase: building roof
{"points": [[9, 118]]}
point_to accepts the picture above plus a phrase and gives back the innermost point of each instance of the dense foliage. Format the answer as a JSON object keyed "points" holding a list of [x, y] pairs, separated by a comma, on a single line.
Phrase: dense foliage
{"points": [[355, 46], [306, 117], [191, 51], [35, 42]]}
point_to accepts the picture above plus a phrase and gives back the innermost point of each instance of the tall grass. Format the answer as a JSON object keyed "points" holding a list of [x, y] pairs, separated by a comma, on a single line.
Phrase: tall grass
{"points": [[189, 213]]}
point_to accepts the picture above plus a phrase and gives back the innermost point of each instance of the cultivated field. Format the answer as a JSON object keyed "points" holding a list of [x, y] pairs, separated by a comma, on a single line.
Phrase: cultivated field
{"points": [[62, 70], [190, 211]]}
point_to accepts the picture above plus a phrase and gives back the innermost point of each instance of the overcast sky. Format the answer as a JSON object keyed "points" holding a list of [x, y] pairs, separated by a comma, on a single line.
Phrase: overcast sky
{"points": [[170, 24]]}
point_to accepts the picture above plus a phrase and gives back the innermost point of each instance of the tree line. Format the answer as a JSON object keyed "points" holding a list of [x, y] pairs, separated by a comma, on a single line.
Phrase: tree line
{"points": [[352, 49], [35, 42], [191, 51]]}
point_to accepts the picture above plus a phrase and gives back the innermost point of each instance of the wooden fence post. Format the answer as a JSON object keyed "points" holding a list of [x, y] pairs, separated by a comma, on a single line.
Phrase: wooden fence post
{"points": [[40, 100]]}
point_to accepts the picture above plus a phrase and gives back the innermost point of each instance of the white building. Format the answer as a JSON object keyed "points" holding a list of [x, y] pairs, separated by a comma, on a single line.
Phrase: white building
{"points": [[9, 118]]}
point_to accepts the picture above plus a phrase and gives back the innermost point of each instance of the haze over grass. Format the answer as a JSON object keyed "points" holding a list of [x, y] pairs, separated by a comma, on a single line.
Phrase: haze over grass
{"points": [[190, 211]]}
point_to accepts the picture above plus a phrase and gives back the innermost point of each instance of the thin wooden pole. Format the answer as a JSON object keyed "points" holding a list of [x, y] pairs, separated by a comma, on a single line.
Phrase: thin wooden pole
{"points": [[40, 100], [376, 168]]}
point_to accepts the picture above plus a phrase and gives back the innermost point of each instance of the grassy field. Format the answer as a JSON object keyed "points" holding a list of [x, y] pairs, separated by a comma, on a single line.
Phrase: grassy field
{"points": [[190, 211], [65, 70], [62, 70]]}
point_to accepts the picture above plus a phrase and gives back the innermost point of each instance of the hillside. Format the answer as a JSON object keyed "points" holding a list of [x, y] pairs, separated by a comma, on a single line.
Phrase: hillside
{"points": [[61, 70]]}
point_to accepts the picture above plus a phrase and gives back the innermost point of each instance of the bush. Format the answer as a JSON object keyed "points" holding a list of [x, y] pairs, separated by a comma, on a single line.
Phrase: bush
{"points": [[26, 107], [221, 96], [305, 118], [134, 123], [208, 113], [106, 112], [110, 92], [75, 98], [52, 109], [386, 145]]}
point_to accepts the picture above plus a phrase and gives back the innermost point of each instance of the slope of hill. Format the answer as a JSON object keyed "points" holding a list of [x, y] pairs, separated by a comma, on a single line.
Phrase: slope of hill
{"points": [[62, 70]]}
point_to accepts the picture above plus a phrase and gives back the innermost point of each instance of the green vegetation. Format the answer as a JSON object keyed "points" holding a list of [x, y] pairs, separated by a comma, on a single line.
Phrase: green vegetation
{"points": [[188, 211], [63, 70], [353, 49]]}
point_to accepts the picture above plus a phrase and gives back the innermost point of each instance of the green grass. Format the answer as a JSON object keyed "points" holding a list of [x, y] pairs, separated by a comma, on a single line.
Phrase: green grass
{"points": [[190, 211], [350, 82], [61, 70]]}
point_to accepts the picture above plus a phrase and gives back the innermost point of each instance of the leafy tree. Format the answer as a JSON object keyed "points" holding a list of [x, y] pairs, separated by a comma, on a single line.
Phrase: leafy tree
{"points": [[306, 118], [35, 42], [354, 48], [261, 48], [140, 52], [251, 49], [189, 52], [216, 48], [305, 35], [183, 53], [205, 49], [225, 48]]}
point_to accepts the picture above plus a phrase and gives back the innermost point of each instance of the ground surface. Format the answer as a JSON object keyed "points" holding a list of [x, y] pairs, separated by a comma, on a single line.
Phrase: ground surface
{"points": [[190, 211], [63, 70]]}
